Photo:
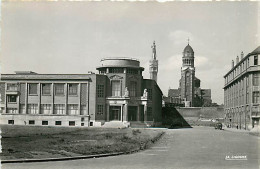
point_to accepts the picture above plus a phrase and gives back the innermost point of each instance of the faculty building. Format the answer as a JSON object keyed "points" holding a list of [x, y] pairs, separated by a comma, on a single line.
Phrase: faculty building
{"points": [[116, 96]]}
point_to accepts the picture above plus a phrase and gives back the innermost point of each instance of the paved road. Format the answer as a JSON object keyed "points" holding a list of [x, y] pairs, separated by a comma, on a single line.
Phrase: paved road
{"points": [[200, 147]]}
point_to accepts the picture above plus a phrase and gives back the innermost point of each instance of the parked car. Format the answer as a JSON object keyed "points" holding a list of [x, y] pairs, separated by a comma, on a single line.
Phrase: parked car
{"points": [[218, 126]]}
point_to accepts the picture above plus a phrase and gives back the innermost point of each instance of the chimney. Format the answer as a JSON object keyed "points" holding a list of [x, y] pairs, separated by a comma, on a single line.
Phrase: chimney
{"points": [[242, 55], [232, 64], [237, 60]]}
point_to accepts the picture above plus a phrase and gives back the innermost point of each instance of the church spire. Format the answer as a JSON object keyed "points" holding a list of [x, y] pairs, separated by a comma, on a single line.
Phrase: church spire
{"points": [[153, 63]]}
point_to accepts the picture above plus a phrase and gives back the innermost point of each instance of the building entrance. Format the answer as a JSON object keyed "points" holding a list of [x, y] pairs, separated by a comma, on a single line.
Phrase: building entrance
{"points": [[255, 122], [114, 113], [132, 113]]}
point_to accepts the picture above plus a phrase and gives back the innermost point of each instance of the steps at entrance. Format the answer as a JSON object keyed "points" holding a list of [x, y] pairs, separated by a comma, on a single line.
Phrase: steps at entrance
{"points": [[116, 124], [137, 124]]}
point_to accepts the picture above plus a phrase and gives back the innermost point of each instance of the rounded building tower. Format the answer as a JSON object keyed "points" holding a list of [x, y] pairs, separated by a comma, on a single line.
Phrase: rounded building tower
{"points": [[187, 76]]}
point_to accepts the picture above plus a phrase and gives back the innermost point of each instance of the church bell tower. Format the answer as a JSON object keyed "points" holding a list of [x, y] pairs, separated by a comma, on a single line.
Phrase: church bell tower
{"points": [[153, 64]]}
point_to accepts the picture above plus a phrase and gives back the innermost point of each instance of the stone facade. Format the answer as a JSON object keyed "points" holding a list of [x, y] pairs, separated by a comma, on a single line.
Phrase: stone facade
{"points": [[117, 94], [241, 92]]}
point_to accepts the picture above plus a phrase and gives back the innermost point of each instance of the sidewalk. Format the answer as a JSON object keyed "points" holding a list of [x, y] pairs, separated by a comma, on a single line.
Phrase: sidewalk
{"points": [[255, 131]]}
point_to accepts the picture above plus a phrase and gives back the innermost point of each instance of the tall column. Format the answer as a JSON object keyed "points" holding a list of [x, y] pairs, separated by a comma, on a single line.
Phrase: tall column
{"points": [[66, 98], [52, 105], [107, 112], [121, 111], [26, 98], [138, 113], [79, 95], [39, 94], [126, 112], [145, 112]]}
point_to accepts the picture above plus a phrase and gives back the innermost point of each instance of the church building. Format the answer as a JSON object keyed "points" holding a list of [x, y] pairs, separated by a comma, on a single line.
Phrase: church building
{"points": [[189, 92]]}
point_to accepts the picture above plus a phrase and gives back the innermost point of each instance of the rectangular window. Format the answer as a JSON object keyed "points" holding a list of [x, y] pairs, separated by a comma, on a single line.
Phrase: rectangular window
{"points": [[116, 88], [256, 60], [58, 123], [72, 109], [71, 123], [150, 94], [46, 109], [31, 122], [59, 89], [256, 97], [116, 70], [132, 71], [10, 121], [59, 109], [82, 124], [256, 79], [11, 87], [132, 88], [46, 89], [73, 89], [100, 109], [45, 123], [12, 98], [83, 110], [32, 108], [33, 89], [100, 90], [12, 111]]}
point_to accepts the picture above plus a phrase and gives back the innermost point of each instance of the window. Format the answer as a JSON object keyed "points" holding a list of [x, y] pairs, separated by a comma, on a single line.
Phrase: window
{"points": [[116, 70], [150, 94], [132, 71], [45, 123], [256, 60], [32, 108], [31, 122], [10, 121], [46, 109], [33, 89], [100, 109], [11, 87], [73, 89], [83, 110], [59, 109], [46, 89], [59, 89], [11, 111], [72, 109], [256, 97], [82, 124], [116, 88], [11, 98], [100, 90], [132, 88], [71, 123], [58, 123], [256, 79]]}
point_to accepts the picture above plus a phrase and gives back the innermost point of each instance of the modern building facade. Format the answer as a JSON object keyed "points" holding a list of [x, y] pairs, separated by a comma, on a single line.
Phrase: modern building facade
{"points": [[241, 92], [189, 91], [118, 93]]}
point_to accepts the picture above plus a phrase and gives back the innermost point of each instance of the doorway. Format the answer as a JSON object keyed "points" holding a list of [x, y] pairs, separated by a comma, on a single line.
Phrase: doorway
{"points": [[115, 113]]}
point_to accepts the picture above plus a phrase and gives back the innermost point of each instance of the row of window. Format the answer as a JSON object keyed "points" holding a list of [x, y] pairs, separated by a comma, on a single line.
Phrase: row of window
{"points": [[59, 109], [46, 123], [116, 88], [119, 70], [243, 66], [239, 99], [59, 89]]}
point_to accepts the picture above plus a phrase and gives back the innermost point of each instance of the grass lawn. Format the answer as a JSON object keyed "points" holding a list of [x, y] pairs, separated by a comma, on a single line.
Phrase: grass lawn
{"points": [[29, 142]]}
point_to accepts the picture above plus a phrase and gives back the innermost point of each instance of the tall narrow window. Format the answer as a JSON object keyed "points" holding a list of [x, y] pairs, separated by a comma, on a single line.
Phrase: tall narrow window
{"points": [[256, 60], [46, 89], [256, 79], [256, 97], [32, 108], [100, 109], [73, 89], [12, 98], [59, 89], [73, 109], [150, 94], [100, 90], [46, 109], [116, 88], [33, 89], [132, 89]]}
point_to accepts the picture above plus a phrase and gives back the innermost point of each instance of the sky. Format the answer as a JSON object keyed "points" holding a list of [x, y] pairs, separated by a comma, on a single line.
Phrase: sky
{"points": [[72, 37]]}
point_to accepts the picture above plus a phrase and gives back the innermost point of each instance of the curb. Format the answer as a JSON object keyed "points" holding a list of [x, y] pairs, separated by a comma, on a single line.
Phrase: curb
{"points": [[78, 157], [61, 159]]}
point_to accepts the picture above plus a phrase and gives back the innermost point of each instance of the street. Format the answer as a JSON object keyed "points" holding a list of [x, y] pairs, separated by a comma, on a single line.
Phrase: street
{"points": [[199, 147]]}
